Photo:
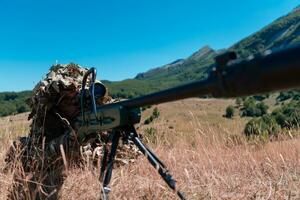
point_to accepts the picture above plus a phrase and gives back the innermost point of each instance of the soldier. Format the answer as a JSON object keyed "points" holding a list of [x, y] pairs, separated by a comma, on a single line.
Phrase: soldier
{"points": [[39, 159]]}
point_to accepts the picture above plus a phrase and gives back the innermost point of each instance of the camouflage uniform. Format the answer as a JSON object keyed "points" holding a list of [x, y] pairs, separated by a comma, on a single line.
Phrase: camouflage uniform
{"points": [[55, 104]]}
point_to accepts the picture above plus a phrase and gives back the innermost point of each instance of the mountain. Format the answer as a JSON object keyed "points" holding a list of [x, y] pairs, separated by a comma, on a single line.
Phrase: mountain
{"points": [[198, 58], [279, 34], [180, 71], [152, 72]]}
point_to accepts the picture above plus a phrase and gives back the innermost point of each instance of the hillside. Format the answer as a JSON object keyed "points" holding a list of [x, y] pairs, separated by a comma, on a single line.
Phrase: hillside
{"points": [[199, 58], [13, 102], [279, 34]]}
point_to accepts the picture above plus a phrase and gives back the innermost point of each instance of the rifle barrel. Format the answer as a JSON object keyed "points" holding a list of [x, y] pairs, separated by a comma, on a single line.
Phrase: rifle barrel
{"points": [[262, 73]]}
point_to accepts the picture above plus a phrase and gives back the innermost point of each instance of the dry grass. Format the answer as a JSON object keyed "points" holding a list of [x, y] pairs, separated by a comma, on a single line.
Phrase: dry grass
{"points": [[10, 128], [205, 152]]}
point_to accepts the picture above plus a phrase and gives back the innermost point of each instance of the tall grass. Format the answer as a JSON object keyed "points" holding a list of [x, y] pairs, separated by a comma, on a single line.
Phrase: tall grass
{"points": [[209, 162]]}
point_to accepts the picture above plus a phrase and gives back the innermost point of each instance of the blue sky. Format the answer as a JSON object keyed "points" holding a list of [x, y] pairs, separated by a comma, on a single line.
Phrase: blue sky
{"points": [[119, 37]]}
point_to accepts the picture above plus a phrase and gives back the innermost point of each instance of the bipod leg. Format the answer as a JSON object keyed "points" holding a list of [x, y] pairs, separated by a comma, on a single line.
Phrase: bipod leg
{"points": [[115, 136], [103, 162], [155, 162]]}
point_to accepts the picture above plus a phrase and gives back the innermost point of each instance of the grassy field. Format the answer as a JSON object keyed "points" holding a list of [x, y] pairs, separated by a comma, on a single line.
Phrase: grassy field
{"points": [[207, 154]]}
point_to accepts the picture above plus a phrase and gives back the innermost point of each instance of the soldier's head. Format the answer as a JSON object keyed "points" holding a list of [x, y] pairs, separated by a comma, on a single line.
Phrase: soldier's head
{"points": [[60, 90]]}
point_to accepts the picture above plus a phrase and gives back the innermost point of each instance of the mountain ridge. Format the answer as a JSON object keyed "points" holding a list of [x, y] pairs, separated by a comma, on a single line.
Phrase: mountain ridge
{"points": [[201, 55]]}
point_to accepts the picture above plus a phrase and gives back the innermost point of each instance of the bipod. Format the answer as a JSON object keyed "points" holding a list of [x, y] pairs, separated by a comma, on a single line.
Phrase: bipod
{"points": [[131, 134], [107, 164]]}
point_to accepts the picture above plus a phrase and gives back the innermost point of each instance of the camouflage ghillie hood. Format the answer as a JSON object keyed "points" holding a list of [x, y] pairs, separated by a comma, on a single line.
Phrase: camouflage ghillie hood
{"points": [[61, 81], [56, 94]]}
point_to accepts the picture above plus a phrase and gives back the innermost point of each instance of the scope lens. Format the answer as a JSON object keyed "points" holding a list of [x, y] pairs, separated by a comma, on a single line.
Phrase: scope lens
{"points": [[100, 90]]}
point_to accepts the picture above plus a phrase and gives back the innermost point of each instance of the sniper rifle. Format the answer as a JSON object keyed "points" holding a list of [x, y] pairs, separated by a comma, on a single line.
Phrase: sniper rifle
{"points": [[230, 77]]}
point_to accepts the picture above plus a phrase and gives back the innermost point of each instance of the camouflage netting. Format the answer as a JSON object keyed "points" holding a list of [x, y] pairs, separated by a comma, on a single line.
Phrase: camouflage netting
{"points": [[51, 96], [61, 80]]}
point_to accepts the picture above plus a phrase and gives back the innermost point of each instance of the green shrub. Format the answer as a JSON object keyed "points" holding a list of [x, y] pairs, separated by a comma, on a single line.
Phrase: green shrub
{"points": [[155, 113], [253, 109], [148, 120], [262, 107], [261, 97], [288, 116], [280, 118], [238, 102], [285, 117], [150, 135], [285, 95], [229, 112], [264, 126]]}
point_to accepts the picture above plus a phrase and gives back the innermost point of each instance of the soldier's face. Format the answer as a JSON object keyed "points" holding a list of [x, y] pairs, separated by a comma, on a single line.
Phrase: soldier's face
{"points": [[69, 107]]}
